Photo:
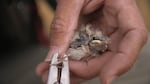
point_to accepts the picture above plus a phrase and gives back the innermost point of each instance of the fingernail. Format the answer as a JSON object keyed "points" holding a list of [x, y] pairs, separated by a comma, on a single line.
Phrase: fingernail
{"points": [[51, 52]]}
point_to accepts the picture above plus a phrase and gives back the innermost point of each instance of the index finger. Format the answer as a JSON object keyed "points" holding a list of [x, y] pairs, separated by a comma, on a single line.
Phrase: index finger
{"points": [[64, 23]]}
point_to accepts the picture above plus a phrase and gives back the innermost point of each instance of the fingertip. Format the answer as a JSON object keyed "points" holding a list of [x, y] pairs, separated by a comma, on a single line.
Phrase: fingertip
{"points": [[107, 78], [52, 50]]}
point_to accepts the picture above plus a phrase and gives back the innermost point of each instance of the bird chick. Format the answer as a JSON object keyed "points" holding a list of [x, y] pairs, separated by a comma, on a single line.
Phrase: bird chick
{"points": [[87, 42]]}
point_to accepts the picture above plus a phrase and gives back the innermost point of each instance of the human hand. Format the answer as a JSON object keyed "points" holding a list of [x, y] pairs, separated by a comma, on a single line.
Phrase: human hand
{"points": [[118, 19]]}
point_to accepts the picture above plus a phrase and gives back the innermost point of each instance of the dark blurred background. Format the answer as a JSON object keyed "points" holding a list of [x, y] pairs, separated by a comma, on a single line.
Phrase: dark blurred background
{"points": [[16, 24], [19, 23], [21, 40], [24, 31]]}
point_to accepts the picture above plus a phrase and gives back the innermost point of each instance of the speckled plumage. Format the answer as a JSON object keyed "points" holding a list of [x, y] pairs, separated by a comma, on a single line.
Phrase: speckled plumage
{"points": [[87, 42]]}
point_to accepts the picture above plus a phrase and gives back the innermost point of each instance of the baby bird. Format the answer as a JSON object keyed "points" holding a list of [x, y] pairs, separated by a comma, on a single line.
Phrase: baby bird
{"points": [[87, 42]]}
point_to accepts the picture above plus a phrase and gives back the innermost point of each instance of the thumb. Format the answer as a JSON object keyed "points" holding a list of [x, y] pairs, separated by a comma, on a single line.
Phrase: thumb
{"points": [[65, 23]]}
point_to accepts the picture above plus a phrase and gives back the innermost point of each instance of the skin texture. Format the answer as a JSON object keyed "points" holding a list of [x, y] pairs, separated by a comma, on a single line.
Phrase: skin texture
{"points": [[118, 19]]}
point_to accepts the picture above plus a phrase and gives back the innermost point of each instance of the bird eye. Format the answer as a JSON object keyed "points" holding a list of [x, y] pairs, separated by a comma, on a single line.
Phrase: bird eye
{"points": [[95, 38]]}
